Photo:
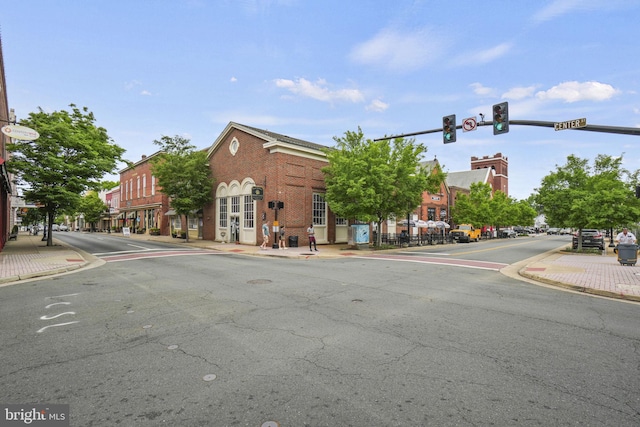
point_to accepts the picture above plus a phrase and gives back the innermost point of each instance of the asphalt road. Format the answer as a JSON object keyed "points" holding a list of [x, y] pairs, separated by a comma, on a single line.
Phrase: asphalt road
{"points": [[231, 340]]}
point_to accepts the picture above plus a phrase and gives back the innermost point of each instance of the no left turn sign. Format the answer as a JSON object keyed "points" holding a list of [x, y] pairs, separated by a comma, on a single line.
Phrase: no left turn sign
{"points": [[469, 124]]}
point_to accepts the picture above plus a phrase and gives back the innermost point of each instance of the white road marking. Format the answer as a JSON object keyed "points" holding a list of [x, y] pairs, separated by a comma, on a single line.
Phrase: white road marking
{"points": [[57, 324], [57, 303], [57, 315]]}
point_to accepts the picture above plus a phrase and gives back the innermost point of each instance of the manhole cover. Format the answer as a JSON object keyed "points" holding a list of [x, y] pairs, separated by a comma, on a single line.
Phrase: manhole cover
{"points": [[356, 300], [259, 281], [209, 377]]}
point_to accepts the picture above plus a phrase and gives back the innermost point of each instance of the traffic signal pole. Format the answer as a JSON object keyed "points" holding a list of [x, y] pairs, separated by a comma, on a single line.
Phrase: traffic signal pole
{"points": [[589, 128]]}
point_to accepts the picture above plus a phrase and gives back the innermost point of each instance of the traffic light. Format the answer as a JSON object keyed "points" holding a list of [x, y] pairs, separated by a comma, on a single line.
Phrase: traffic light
{"points": [[449, 128], [501, 118]]}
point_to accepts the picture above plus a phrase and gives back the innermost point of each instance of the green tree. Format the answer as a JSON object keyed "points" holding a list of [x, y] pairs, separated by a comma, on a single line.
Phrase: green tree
{"points": [[33, 217], [474, 208], [373, 180], [71, 155], [183, 175], [522, 213], [581, 195], [92, 207], [481, 208]]}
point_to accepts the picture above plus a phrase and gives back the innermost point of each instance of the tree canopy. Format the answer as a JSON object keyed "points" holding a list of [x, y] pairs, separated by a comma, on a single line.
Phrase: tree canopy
{"points": [[70, 156], [373, 180], [92, 207], [183, 175], [481, 208], [580, 195]]}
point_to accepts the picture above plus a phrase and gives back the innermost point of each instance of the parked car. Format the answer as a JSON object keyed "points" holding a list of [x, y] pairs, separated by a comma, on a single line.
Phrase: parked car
{"points": [[63, 227], [54, 227], [553, 230], [591, 238], [508, 233]]}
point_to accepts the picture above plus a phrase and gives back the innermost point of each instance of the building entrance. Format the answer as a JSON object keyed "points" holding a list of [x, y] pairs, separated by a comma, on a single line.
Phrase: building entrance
{"points": [[235, 229]]}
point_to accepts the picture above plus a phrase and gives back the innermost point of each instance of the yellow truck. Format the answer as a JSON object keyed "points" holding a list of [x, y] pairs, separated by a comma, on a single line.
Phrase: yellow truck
{"points": [[465, 233]]}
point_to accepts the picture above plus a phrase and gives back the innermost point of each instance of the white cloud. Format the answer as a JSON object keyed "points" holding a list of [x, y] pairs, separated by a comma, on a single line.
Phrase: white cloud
{"points": [[233, 80], [131, 84], [319, 90], [556, 8], [401, 51], [577, 91], [519, 92], [377, 106], [480, 57], [480, 89], [145, 93]]}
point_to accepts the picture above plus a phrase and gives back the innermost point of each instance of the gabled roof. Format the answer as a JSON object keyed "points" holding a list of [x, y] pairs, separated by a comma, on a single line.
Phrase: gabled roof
{"points": [[464, 179], [275, 142]]}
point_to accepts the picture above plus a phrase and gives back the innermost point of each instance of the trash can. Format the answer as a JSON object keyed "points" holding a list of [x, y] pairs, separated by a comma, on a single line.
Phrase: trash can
{"points": [[627, 254], [293, 241]]}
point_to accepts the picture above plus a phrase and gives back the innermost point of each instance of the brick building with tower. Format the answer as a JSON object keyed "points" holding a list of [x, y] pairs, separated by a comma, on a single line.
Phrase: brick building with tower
{"points": [[500, 165]]}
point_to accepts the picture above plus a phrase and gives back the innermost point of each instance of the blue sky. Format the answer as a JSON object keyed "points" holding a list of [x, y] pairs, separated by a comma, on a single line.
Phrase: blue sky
{"points": [[316, 69]]}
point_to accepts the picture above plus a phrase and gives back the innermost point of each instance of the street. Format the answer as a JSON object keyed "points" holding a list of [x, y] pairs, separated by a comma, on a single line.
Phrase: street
{"points": [[405, 339]]}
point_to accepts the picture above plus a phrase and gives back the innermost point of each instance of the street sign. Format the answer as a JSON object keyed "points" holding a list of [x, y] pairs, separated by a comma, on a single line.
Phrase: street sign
{"points": [[257, 193], [469, 124], [571, 124], [20, 132]]}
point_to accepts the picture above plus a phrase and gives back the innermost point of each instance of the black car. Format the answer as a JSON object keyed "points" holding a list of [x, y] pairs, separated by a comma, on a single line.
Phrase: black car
{"points": [[591, 238]]}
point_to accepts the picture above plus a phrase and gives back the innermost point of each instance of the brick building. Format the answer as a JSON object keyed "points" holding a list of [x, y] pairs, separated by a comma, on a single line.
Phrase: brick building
{"points": [[244, 160], [5, 179], [500, 166], [435, 206], [141, 205]]}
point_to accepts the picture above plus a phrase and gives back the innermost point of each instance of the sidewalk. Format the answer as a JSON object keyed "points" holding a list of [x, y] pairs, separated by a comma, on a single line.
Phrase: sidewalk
{"points": [[29, 257]]}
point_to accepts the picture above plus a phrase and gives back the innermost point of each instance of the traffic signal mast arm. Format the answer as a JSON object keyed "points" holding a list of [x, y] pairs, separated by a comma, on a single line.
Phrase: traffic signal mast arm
{"points": [[590, 128]]}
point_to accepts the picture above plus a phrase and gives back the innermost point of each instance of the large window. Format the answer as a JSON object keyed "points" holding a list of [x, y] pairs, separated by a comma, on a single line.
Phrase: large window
{"points": [[431, 214], [193, 222], [223, 212], [248, 212], [235, 204], [319, 210]]}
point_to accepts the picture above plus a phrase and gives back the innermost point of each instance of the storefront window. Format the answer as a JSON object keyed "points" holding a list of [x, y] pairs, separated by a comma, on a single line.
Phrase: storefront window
{"points": [[248, 212]]}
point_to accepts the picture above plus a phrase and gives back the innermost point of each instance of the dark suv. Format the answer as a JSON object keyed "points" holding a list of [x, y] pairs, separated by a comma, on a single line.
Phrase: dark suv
{"points": [[590, 239]]}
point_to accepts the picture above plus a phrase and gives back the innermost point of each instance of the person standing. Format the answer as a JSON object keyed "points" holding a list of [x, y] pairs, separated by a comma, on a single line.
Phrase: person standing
{"points": [[282, 233], [265, 235], [625, 237], [312, 237]]}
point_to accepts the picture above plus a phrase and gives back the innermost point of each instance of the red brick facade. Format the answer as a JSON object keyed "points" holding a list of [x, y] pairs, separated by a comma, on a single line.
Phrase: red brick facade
{"points": [[141, 206], [500, 165], [285, 169]]}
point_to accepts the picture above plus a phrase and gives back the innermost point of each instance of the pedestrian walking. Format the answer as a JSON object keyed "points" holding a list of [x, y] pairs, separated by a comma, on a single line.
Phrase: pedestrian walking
{"points": [[265, 235], [282, 233], [312, 237]]}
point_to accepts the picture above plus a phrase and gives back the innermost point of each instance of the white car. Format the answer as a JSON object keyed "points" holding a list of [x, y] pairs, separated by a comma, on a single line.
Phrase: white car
{"points": [[63, 227], [54, 227]]}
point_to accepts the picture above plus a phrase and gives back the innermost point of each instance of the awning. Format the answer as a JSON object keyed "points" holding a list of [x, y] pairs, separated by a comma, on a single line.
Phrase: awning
{"points": [[170, 212]]}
